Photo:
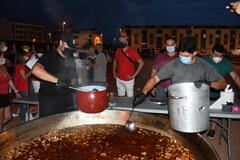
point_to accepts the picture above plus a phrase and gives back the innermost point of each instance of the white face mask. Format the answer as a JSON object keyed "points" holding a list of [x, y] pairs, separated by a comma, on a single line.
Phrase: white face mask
{"points": [[217, 59], [75, 55], [4, 49]]}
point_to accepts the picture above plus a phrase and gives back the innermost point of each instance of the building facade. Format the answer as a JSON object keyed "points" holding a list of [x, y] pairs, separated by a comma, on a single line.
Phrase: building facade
{"points": [[86, 37], [153, 38]]}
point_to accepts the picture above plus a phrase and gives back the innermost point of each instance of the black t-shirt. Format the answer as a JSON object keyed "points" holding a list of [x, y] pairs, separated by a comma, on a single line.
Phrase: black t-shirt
{"points": [[63, 68]]}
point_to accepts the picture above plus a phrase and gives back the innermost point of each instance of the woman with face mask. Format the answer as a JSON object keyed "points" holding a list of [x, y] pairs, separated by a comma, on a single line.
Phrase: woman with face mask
{"points": [[5, 83], [21, 77]]}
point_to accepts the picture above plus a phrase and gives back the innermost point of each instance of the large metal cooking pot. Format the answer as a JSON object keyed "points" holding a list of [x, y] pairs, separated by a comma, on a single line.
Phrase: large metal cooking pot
{"points": [[23, 133], [189, 107], [92, 99]]}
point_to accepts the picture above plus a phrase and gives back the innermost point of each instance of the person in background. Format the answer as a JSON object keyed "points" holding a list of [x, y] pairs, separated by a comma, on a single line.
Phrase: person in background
{"points": [[21, 81], [81, 61], [35, 80], [224, 67], [91, 59], [100, 65], [5, 83], [3, 49], [159, 92], [27, 51], [123, 67], [57, 71], [186, 68]]}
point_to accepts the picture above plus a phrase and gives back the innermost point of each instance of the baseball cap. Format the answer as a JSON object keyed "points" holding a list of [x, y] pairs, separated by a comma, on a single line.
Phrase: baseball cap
{"points": [[69, 39]]}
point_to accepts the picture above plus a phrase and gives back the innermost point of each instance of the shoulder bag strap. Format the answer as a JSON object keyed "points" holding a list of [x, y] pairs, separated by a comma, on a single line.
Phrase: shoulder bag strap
{"points": [[127, 56]]}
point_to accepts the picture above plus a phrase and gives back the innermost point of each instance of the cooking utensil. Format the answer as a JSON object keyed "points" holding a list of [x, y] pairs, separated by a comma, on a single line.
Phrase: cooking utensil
{"points": [[189, 107], [91, 99], [131, 126]]}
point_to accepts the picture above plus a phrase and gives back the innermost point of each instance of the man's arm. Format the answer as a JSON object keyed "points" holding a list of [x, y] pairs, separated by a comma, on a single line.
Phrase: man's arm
{"points": [[39, 71], [139, 68], [114, 68], [154, 72], [150, 84], [235, 77], [220, 84]]}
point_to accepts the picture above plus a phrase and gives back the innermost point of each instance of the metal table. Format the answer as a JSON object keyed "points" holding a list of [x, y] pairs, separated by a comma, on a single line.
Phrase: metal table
{"points": [[149, 107]]}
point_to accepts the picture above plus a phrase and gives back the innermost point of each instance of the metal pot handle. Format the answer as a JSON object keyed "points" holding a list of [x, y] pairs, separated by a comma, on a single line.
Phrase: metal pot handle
{"points": [[177, 97]]}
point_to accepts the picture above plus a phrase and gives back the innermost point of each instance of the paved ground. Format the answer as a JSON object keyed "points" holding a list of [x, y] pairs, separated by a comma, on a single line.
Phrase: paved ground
{"points": [[141, 80]]}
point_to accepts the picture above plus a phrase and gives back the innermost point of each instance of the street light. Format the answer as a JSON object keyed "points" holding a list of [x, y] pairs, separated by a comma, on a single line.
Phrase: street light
{"points": [[63, 23]]}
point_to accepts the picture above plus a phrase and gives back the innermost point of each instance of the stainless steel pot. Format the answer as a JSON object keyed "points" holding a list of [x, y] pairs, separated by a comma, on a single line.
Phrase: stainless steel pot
{"points": [[189, 107], [23, 133]]}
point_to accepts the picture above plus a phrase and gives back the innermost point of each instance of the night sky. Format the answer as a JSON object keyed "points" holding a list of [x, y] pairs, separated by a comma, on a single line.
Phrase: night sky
{"points": [[109, 15]]}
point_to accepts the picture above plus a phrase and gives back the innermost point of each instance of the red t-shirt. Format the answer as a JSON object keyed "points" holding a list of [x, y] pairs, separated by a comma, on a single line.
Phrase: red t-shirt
{"points": [[4, 80], [125, 66], [159, 62], [20, 83]]}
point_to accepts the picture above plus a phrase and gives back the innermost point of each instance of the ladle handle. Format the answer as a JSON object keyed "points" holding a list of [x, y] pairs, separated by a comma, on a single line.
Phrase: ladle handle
{"points": [[131, 112]]}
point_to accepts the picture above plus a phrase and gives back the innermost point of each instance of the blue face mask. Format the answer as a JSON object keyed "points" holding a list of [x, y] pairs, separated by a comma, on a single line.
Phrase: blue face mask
{"points": [[185, 60], [3, 61], [39, 54], [170, 48]]}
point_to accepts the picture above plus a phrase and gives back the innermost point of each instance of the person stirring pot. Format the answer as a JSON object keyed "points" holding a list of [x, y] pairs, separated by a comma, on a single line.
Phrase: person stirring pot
{"points": [[186, 68], [57, 70]]}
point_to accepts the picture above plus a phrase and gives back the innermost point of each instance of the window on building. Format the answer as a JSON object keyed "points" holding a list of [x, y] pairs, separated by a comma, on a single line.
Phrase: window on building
{"points": [[225, 39], [159, 31], [203, 39], [181, 37], [232, 39], [196, 36], [188, 31], [151, 38], [144, 38], [136, 38], [159, 42], [128, 31], [174, 32], [166, 36], [218, 37], [210, 38], [239, 39]]}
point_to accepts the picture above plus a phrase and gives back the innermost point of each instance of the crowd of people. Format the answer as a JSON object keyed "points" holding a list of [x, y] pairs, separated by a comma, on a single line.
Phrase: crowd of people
{"points": [[50, 74]]}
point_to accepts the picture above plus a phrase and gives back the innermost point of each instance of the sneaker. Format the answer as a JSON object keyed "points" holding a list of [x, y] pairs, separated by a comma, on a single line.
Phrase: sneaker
{"points": [[14, 114], [211, 133]]}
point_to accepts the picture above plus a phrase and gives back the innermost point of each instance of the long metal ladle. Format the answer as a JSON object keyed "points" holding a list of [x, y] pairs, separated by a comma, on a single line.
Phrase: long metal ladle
{"points": [[131, 126]]}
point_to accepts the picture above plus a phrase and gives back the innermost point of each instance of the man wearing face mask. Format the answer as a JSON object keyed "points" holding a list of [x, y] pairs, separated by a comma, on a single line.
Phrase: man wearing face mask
{"points": [[186, 68], [56, 70], [123, 67], [159, 92], [224, 67]]}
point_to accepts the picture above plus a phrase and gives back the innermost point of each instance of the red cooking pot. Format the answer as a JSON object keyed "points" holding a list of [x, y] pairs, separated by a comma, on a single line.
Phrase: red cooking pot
{"points": [[92, 99]]}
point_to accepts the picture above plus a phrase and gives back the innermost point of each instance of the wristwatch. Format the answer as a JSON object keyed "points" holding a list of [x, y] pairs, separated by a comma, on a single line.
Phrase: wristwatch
{"points": [[16, 91]]}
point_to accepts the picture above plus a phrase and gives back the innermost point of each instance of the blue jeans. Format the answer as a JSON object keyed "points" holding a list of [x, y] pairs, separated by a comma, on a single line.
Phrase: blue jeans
{"points": [[22, 107]]}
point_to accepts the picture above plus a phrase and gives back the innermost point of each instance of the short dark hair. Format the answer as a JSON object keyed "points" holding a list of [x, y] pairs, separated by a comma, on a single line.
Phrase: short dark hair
{"points": [[188, 44], [170, 38], [219, 48]]}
